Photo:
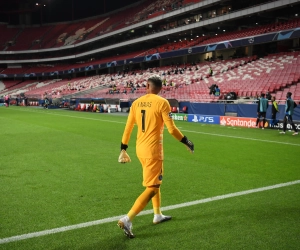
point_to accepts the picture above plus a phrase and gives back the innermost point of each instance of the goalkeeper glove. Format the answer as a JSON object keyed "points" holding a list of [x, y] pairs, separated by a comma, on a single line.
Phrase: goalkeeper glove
{"points": [[188, 144], [124, 157]]}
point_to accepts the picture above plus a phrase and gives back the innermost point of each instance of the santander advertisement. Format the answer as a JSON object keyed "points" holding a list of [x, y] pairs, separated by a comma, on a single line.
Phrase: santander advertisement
{"points": [[238, 121]]}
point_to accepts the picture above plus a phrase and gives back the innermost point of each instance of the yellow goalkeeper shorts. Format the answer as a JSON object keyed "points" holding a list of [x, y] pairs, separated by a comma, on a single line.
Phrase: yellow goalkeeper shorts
{"points": [[152, 171]]}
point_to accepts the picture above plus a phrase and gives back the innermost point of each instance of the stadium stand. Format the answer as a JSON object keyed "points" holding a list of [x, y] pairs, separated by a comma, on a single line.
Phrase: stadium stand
{"points": [[58, 87], [63, 34], [185, 86], [8, 84], [203, 40], [269, 74], [2, 86], [8, 36], [248, 77], [14, 70], [65, 37], [29, 37]]}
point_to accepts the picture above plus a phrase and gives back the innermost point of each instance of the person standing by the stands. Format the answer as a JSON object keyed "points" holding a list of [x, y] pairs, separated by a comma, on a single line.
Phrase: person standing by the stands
{"points": [[275, 110], [212, 89], [217, 91], [210, 71], [17, 100], [289, 110], [91, 107], [262, 107], [46, 103], [6, 100], [25, 101]]}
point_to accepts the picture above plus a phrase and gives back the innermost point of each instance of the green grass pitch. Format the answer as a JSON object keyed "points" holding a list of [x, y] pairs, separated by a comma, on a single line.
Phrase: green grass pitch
{"points": [[59, 168]]}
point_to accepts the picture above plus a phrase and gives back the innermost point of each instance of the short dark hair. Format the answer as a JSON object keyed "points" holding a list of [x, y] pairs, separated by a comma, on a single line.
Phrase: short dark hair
{"points": [[262, 95], [289, 93], [156, 81]]}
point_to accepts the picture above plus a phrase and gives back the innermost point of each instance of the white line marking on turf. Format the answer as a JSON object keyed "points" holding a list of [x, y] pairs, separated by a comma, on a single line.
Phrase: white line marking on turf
{"points": [[115, 218], [244, 138], [196, 132], [80, 117]]}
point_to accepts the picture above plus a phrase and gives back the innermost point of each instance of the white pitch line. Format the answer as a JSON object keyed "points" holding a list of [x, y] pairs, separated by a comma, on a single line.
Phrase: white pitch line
{"points": [[115, 218], [80, 117], [244, 138], [190, 131]]}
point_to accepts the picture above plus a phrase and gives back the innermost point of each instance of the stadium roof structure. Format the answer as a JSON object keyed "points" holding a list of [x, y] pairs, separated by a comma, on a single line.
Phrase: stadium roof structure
{"points": [[57, 11], [114, 42]]}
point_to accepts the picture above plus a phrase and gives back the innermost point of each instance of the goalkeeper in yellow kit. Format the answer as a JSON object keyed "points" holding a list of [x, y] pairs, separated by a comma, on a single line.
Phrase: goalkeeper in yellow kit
{"points": [[149, 112]]}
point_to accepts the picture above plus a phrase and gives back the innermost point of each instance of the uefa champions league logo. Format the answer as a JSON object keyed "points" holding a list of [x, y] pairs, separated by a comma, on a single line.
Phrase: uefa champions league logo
{"points": [[190, 50], [251, 40]]}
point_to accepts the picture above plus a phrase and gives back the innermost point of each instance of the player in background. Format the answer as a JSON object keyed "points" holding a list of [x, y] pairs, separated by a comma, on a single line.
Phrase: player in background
{"points": [[262, 107], [275, 110], [289, 110], [46, 103], [6, 100], [150, 112]]}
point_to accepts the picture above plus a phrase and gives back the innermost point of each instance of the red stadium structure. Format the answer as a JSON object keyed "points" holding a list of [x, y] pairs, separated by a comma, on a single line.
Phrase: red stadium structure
{"points": [[112, 55]]}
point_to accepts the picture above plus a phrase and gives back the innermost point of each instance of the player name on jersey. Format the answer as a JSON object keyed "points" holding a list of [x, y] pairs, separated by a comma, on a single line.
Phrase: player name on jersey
{"points": [[144, 104]]}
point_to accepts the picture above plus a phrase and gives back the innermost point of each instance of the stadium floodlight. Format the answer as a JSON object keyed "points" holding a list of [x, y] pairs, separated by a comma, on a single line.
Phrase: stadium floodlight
{"points": [[224, 30]]}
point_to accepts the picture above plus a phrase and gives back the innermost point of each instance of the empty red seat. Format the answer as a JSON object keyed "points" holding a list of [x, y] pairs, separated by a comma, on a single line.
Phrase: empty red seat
{"points": [[174, 110], [184, 109]]}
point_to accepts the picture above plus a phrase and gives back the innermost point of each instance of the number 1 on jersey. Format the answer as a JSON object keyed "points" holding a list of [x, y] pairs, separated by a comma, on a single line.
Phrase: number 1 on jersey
{"points": [[143, 120]]}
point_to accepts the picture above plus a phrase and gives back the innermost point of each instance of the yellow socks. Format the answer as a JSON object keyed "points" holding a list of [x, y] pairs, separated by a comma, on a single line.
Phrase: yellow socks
{"points": [[156, 201], [142, 201]]}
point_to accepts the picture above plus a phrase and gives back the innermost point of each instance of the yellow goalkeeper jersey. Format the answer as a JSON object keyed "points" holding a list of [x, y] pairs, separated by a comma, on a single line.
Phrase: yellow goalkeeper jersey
{"points": [[150, 112]]}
